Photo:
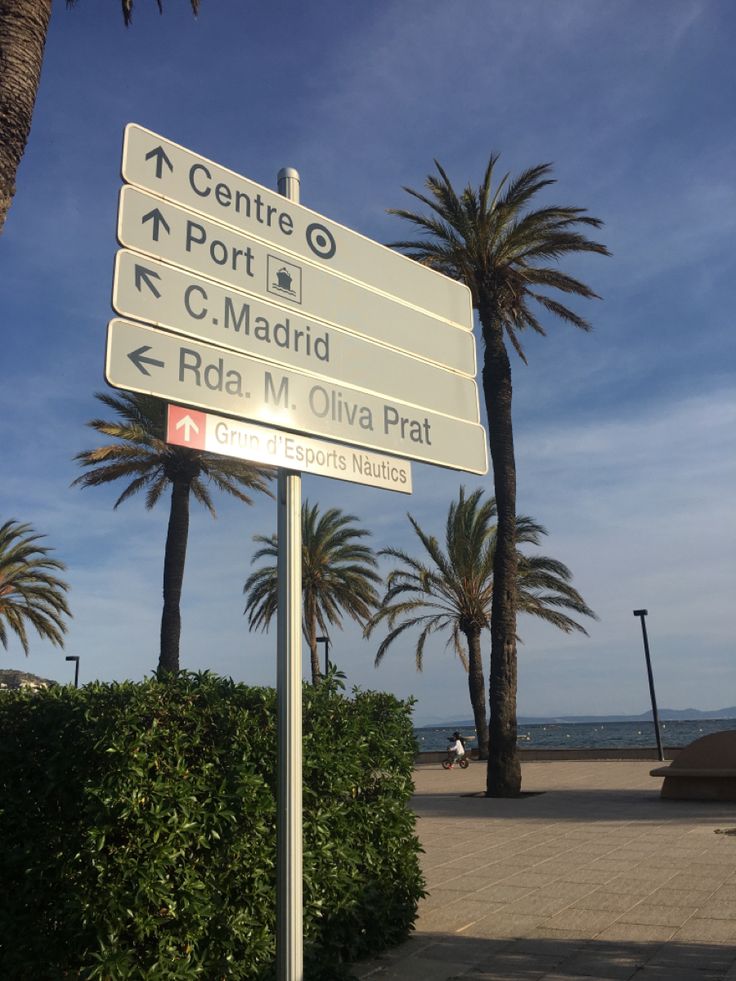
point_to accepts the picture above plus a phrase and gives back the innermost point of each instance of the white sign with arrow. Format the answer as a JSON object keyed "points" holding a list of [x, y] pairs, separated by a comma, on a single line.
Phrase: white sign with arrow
{"points": [[261, 444], [163, 295], [176, 174], [165, 231], [143, 359]]}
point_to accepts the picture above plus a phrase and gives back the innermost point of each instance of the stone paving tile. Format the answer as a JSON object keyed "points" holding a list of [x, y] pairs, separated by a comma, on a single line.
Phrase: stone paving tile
{"points": [[700, 929], [599, 965], [512, 967], [537, 903], [646, 913], [589, 874], [556, 976], [648, 973], [679, 897], [531, 880], [696, 955], [718, 910], [614, 902], [592, 920], [636, 933], [504, 924], [438, 898], [505, 891], [625, 883]]}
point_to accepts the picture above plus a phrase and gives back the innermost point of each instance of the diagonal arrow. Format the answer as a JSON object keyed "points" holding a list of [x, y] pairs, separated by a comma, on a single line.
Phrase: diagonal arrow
{"points": [[143, 275], [138, 359], [187, 424], [158, 219], [160, 154]]}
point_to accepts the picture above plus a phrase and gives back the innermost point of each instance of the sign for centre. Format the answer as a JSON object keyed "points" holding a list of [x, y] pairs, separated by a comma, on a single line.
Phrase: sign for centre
{"points": [[168, 232], [176, 174]]}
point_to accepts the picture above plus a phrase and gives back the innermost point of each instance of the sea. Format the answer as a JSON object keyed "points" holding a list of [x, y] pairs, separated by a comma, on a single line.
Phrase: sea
{"points": [[585, 735]]}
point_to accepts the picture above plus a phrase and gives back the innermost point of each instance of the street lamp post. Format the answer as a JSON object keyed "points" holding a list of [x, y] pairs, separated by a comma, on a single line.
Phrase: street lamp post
{"points": [[642, 614], [75, 658], [326, 642]]}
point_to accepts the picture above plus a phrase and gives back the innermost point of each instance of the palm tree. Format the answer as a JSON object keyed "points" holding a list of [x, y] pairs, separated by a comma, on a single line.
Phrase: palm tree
{"points": [[29, 590], [487, 239], [454, 591], [338, 574], [141, 455], [23, 29]]}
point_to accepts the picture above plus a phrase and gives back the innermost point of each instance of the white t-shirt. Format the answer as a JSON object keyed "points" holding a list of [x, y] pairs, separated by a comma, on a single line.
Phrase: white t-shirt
{"points": [[457, 748]]}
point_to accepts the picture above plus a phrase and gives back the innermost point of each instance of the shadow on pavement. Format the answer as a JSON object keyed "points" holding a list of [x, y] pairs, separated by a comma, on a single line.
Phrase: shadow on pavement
{"points": [[446, 957], [572, 805]]}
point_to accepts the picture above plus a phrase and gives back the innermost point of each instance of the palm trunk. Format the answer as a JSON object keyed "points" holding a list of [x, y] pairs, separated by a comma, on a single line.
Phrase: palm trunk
{"points": [[477, 688], [504, 770], [311, 621], [174, 559], [23, 29]]}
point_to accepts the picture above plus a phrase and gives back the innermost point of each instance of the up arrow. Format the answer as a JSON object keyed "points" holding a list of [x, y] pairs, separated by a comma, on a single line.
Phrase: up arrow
{"points": [[158, 219], [143, 275], [187, 424], [160, 155], [138, 359]]}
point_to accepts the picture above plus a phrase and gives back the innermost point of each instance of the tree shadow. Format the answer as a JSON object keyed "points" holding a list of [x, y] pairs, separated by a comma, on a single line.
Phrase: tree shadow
{"points": [[450, 957], [576, 804]]}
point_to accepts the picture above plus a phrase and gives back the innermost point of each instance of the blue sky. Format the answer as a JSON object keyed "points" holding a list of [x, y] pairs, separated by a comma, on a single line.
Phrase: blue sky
{"points": [[625, 438]]}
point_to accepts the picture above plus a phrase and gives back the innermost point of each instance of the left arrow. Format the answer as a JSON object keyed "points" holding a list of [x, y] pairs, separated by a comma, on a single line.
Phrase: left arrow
{"points": [[138, 359], [160, 155]]}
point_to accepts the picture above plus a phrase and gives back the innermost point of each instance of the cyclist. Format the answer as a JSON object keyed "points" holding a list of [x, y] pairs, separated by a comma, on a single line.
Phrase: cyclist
{"points": [[456, 747]]}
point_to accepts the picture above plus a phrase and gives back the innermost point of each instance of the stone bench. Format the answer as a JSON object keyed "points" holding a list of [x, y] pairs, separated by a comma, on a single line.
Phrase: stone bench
{"points": [[704, 770]]}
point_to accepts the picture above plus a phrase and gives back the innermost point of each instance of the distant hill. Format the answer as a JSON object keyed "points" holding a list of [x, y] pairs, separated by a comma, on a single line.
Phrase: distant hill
{"points": [[22, 679], [665, 715]]}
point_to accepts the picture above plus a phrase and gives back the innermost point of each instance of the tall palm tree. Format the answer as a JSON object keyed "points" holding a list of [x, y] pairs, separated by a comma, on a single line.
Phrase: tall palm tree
{"points": [[491, 241], [30, 593], [454, 591], [141, 455], [23, 30], [338, 576]]}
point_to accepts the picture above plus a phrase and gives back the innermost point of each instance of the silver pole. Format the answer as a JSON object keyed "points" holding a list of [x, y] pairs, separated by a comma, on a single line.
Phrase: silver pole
{"points": [[289, 917]]}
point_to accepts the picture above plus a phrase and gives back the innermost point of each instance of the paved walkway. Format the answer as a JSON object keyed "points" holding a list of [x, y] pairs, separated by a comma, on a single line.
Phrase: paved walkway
{"points": [[590, 877]]}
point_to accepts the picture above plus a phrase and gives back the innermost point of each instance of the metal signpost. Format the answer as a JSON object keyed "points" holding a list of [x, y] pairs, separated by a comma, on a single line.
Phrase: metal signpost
{"points": [[318, 347]]}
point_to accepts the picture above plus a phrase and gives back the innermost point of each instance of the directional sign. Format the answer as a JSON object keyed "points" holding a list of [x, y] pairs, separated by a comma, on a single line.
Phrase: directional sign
{"points": [[143, 359], [165, 231], [261, 444], [172, 298], [176, 174]]}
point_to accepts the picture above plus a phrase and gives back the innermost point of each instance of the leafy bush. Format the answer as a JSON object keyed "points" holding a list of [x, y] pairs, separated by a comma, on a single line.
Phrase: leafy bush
{"points": [[138, 830]]}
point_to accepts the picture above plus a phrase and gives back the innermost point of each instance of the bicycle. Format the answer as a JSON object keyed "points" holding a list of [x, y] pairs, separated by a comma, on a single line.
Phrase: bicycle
{"points": [[462, 761]]}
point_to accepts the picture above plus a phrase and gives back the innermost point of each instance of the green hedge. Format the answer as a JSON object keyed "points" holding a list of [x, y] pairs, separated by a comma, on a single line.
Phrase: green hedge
{"points": [[137, 830]]}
